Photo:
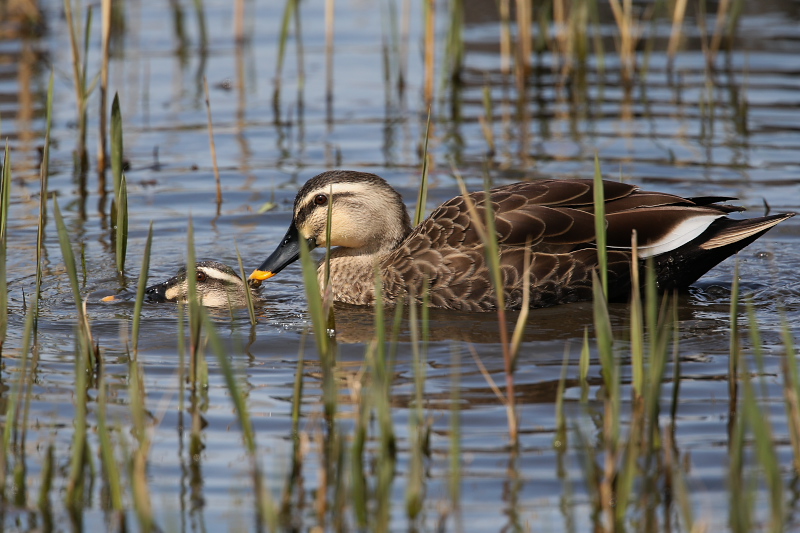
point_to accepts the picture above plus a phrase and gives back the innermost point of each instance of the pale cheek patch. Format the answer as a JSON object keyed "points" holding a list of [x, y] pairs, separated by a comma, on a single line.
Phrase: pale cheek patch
{"points": [[177, 291]]}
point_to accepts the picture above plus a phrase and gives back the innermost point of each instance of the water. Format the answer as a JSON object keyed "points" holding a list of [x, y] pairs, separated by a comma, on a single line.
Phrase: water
{"points": [[689, 132]]}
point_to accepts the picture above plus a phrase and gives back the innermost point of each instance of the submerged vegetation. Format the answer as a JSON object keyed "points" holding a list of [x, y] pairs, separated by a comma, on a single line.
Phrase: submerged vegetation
{"points": [[362, 448]]}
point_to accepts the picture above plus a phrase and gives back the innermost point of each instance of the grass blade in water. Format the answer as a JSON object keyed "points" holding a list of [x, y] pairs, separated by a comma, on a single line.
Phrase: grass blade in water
{"points": [[600, 225], [116, 145], [248, 294], [140, 290]]}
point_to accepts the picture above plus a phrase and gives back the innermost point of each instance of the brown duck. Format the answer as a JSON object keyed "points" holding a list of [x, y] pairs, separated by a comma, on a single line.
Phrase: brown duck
{"points": [[685, 237]]}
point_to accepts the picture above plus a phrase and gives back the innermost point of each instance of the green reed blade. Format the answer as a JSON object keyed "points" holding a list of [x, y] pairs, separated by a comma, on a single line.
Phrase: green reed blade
{"points": [[248, 295], [75, 483], [422, 194], [758, 420], [4, 293], [359, 490], [382, 391], [414, 486], [600, 224], [122, 225], [110, 467], [636, 324], [319, 319], [735, 346], [605, 348], [288, 12], [12, 405], [454, 484], [583, 366], [140, 291], [138, 469], [44, 176], [116, 144], [5, 205], [560, 437], [197, 368], [46, 483], [5, 192], [265, 507], [69, 257]]}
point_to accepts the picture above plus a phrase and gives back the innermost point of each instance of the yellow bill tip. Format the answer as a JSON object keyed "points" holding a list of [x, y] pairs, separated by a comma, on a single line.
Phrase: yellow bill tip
{"points": [[261, 275]]}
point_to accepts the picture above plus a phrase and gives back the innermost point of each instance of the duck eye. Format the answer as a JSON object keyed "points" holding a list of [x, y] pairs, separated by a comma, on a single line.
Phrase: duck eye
{"points": [[320, 199], [201, 276]]}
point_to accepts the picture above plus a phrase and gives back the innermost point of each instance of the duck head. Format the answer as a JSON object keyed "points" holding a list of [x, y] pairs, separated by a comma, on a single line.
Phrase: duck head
{"points": [[218, 285], [367, 215]]}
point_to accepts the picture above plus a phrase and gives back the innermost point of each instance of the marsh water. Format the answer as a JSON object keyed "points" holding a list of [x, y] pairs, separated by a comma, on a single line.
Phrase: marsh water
{"points": [[681, 128]]}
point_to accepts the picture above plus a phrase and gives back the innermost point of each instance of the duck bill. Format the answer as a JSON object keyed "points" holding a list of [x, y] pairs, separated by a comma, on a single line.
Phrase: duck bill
{"points": [[157, 293], [285, 254]]}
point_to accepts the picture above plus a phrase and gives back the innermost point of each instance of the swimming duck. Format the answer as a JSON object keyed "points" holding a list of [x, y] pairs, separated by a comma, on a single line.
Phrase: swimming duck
{"points": [[370, 226], [218, 285]]}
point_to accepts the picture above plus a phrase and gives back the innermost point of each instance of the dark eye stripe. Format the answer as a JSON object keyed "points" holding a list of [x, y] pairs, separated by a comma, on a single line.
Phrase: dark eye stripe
{"points": [[310, 206]]}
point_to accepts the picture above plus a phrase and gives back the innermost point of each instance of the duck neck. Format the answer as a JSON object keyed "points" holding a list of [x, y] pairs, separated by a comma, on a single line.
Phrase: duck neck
{"points": [[352, 270]]}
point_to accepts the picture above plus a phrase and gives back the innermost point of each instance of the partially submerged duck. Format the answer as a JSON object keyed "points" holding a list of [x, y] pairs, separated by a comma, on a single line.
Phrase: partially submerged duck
{"points": [[685, 237], [218, 285]]}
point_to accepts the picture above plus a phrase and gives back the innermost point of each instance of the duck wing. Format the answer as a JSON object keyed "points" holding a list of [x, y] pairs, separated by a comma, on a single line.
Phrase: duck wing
{"points": [[554, 219]]}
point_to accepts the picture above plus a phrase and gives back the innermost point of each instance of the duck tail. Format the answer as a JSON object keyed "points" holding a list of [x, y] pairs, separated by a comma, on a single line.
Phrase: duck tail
{"points": [[681, 267]]}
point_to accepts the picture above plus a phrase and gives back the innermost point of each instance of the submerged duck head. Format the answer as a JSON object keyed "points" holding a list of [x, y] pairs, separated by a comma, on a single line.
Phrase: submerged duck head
{"points": [[218, 285], [367, 216]]}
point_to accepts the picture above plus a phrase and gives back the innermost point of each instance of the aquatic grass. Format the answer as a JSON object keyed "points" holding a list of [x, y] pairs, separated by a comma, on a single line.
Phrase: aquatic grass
{"points": [[454, 45], [140, 291], [735, 345], [213, 146], [105, 40], [560, 436], [294, 478], [80, 453], [44, 176], [584, 362], [791, 390], [248, 294], [761, 428], [266, 512], [289, 12], [455, 474], [359, 489], [485, 227], [5, 205], [326, 346], [82, 90], [382, 366], [109, 462], [678, 15], [137, 467], [330, 13], [119, 207], [522, 59], [429, 50], [84, 340], [419, 430], [628, 37], [422, 194], [600, 224], [198, 367], [12, 414], [487, 121]]}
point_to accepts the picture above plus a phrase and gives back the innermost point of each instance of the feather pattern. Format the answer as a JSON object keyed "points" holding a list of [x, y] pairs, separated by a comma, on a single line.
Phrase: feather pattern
{"points": [[445, 254]]}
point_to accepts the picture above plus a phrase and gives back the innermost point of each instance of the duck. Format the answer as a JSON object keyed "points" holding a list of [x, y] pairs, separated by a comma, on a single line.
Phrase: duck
{"points": [[442, 261], [218, 285]]}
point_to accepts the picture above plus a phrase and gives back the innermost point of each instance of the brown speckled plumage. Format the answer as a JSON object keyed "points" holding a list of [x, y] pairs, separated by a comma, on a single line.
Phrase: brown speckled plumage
{"points": [[553, 218]]}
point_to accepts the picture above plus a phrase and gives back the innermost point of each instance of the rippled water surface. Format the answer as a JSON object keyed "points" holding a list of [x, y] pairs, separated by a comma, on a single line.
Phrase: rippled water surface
{"points": [[687, 130]]}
